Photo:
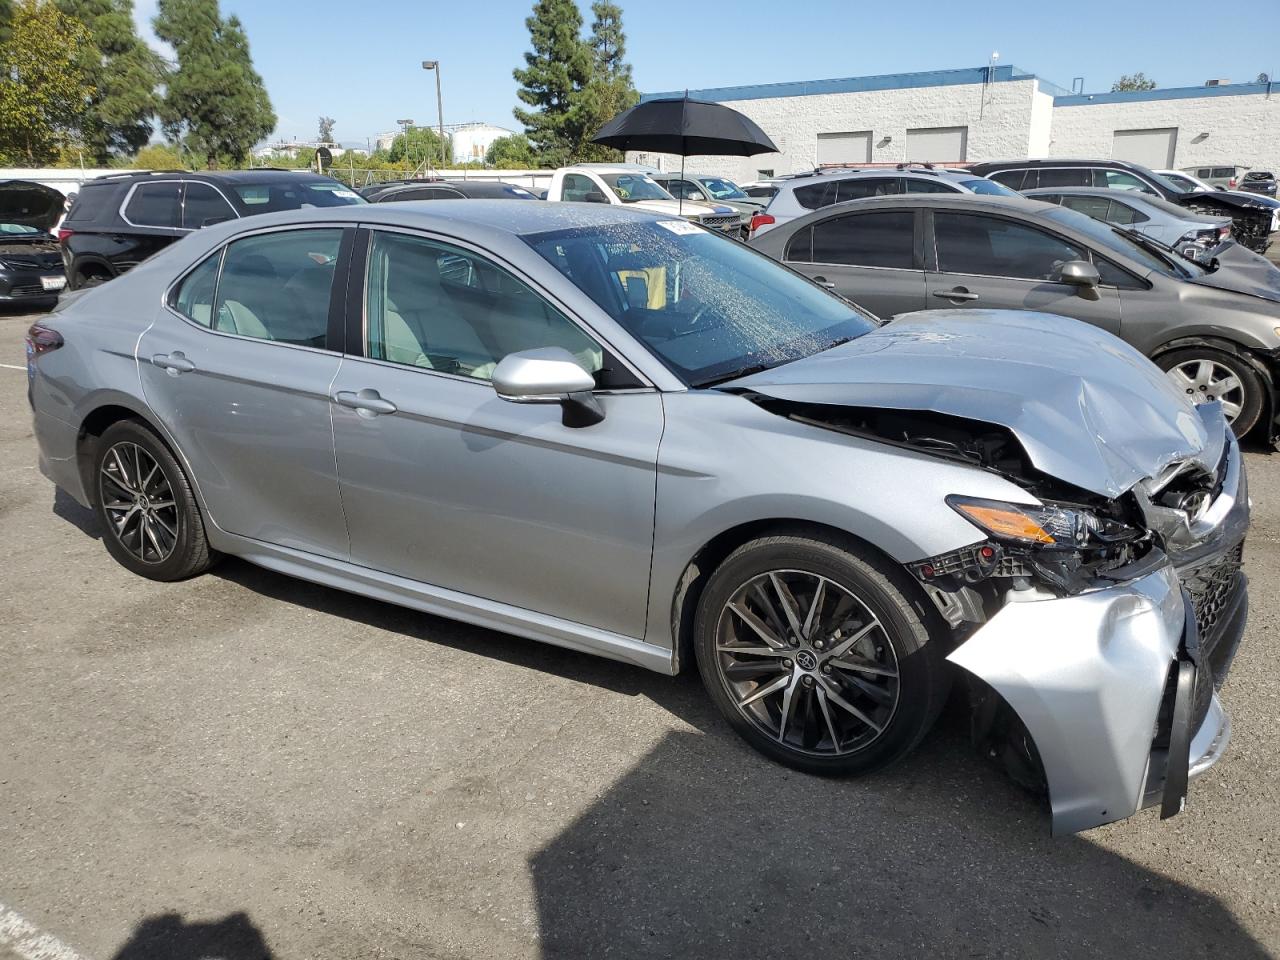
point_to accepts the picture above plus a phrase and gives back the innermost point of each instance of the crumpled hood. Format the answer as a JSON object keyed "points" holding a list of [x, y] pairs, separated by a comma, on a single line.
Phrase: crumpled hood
{"points": [[1243, 271], [1087, 408]]}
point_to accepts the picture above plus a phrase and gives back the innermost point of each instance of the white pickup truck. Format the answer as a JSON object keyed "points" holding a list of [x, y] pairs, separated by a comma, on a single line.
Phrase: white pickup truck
{"points": [[624, 185]]}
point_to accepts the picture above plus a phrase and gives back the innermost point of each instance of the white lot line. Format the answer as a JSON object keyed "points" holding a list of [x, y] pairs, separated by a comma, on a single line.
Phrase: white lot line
{"points": [[28, 942], [12, 366]]}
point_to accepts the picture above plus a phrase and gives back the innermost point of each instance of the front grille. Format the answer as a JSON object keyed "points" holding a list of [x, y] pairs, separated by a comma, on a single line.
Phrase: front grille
{"points": [[1213, 588], [722, 222], [27, 288]]}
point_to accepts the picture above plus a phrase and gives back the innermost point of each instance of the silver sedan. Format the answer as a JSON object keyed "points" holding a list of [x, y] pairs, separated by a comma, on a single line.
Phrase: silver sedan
{"points": [[1170, 224], [620, 433]]}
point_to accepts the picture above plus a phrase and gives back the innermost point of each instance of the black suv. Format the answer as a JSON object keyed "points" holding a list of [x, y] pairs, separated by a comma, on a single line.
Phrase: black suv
{"points": [[1259, 181], [1250, 220], [393, 191], [119, 220]]}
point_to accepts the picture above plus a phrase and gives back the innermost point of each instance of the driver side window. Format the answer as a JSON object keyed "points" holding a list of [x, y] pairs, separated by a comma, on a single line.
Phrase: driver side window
{"points": [[577, 187], [447, 309], [992, 247]]}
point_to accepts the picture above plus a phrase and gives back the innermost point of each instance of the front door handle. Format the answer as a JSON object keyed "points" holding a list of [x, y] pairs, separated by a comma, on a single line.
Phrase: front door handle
{"points": [[367, 403], [824, 282], [173, 363], [958, 294]]}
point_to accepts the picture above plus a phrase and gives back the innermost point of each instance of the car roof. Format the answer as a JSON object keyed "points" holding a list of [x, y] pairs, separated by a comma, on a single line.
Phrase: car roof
{"points": [[1051, 162], [473, 188], [987, 203], [260, 175]]}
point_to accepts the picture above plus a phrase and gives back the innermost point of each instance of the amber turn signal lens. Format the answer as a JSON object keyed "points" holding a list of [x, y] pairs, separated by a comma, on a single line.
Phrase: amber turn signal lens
{"points": [[1005, 522]]}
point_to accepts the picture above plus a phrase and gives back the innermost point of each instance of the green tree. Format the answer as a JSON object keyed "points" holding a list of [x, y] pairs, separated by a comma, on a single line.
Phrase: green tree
{"points": [[6, 17], [126, 73], [46, 91], [611, 89], [1133, 81], [326, 130], [511, 153], [159, 156], [215, 102], [421, 143], [556, 72]]}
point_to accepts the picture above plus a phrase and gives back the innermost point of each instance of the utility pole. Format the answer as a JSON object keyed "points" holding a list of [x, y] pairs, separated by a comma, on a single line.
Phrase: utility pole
{"points": [[444, 150]]}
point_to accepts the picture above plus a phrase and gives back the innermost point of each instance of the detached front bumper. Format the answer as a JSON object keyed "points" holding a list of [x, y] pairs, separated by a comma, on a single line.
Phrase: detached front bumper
{"points": [[1095, 678]]}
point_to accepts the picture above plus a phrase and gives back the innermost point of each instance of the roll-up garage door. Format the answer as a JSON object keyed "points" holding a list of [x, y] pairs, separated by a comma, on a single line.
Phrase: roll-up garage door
{"points": [[1151, 148], [844, 147], [937, 144]]}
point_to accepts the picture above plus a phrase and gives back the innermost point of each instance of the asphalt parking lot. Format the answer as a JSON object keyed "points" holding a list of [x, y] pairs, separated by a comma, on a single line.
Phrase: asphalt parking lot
{"points": [[245, 763]]}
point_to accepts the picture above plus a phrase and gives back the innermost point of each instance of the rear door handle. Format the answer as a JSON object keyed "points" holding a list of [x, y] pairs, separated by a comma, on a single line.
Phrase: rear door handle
{"points": [[173, 363], [959, 293], [824, 282], [367, 403]]}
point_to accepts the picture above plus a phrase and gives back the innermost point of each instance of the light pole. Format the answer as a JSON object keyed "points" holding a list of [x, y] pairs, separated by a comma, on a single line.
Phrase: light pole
{"points": [[444, 150], [404, 132]]}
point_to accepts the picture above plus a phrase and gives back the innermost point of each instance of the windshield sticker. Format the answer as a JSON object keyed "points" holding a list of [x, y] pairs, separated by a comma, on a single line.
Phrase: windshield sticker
{"points": [[681, 228]]}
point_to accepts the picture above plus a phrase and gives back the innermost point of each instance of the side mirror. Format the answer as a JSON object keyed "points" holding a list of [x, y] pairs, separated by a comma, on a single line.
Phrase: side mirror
{"points": [[1082, 275], [549, 375]]}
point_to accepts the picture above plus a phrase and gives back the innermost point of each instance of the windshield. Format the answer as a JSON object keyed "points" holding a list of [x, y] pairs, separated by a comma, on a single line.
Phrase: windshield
{"points": [[1118, 241], [269, 196], [723, 189], [990, 187], [20, 228], [708, 307], [631, 187]]}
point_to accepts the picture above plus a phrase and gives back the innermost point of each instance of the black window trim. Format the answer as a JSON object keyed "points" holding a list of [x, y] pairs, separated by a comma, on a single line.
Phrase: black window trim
{"points": [[357, 321], [337, 291], [182, 201]]}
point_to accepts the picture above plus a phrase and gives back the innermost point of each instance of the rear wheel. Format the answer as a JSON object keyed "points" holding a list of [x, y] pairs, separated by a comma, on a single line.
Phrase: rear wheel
{"points": [[1204, 374], [816, 655], [151, 522]]}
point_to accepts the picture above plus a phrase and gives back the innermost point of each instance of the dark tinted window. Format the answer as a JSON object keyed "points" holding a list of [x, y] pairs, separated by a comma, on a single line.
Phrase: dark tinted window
{"points": [[156, 204], [268, 197], [1122, 214], [867, 240], [276, 286], [93, 202], [1096, 207], [800, 247], [1013, 179], [202, 204], [867, 187], [928, 186], [1219, 172], [816, 195], [1066, 177], [992, 247]]}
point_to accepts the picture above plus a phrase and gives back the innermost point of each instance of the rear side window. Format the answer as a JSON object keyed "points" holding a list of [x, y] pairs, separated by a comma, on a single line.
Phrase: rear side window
{"points": [[276, 286], [992, 247], [1219, 172], [204, 205], [866, 187], [1066, 177], [881, 239], [1122, 214], [928, 186], [92, 202], [816, 195], [193, 297], [1096, 207], [156, 204], [1015, 179]]}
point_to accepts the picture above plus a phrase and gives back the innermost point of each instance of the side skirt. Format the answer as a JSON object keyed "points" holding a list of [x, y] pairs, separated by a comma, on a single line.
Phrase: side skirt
{"points": [[449, 604]]}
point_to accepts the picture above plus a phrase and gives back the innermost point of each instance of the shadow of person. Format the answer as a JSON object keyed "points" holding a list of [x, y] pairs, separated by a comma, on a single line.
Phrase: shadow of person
{"points": [[698, 852], [166, 936]]}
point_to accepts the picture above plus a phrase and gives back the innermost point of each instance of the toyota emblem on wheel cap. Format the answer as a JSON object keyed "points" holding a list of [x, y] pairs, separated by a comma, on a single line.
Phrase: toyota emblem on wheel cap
{"points": [[806, 660]]}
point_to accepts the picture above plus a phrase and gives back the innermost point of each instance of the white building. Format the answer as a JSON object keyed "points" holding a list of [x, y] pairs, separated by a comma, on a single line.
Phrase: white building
{"points": [[471, 141], [990, 113]]}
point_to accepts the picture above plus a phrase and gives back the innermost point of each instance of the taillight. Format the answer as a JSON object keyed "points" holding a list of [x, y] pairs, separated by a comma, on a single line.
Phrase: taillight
{"points": [[64, 234], [1224, 232], [42, 340], [1231, 184], [759, 220]]}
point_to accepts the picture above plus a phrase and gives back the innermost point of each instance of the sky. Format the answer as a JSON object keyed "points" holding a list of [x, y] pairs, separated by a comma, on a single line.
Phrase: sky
{"points": [[361, 63]]}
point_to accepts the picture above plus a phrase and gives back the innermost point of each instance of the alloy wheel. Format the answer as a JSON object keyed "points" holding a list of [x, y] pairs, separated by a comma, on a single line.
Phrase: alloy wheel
{"points": [[807, 662], [1204, 380], [139, 502]]}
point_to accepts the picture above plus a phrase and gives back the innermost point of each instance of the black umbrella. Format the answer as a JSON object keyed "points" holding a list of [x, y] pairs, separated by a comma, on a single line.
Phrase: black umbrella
{"points": [[687, 127]]}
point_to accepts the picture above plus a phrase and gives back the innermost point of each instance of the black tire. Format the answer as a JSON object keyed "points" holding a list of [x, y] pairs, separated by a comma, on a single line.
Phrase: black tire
{"points": [[189, 554], [912, 628], [1250, 397]]}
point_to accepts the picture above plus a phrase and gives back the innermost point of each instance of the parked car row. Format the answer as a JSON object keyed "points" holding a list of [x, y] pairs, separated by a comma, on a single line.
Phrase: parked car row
{"points": [[606, 428]]}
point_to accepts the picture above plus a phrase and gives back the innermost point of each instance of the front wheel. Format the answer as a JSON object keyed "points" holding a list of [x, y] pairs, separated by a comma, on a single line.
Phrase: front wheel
{"points": [[1206, 374], [816, 655]]}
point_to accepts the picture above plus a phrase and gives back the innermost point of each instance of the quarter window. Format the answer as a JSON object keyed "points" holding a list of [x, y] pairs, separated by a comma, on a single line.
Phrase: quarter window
{"points": [[867, 240], [155, 204], [1096, 207], [1122, 214], [816, 195], [277, 286], [442, 308], [203, 204], [992, 247], [193, 297]]}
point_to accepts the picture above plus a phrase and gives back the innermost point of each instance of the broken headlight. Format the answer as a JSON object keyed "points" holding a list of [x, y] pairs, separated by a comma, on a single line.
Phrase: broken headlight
{"points": [[1049, 526]]}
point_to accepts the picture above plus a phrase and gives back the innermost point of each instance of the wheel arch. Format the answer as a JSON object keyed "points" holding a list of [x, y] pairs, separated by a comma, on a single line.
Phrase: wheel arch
{"points": [[94, 263], [1246, 354]]}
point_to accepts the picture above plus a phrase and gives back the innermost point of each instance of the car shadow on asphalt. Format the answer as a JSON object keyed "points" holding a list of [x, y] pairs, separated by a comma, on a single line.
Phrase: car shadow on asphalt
{"points": [[166, 936]]}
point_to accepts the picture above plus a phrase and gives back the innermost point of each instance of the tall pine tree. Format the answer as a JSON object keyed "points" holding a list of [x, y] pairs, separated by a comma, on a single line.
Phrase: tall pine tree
{"points": [[126, 72], [215, 102], [552, 81], [611, 89]]}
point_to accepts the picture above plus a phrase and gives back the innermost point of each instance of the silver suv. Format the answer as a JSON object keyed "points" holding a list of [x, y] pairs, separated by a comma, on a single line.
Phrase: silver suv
{"points": [[797, 197]]}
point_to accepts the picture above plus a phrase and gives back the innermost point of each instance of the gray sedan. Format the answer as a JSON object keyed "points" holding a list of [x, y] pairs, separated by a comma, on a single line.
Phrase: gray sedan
{"points": [[1185, 230], [1215, 328], [621, 433]]}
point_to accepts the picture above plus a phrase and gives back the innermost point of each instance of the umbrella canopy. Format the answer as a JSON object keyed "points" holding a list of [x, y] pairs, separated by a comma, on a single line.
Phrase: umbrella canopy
{"points": [[685, 127]]}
